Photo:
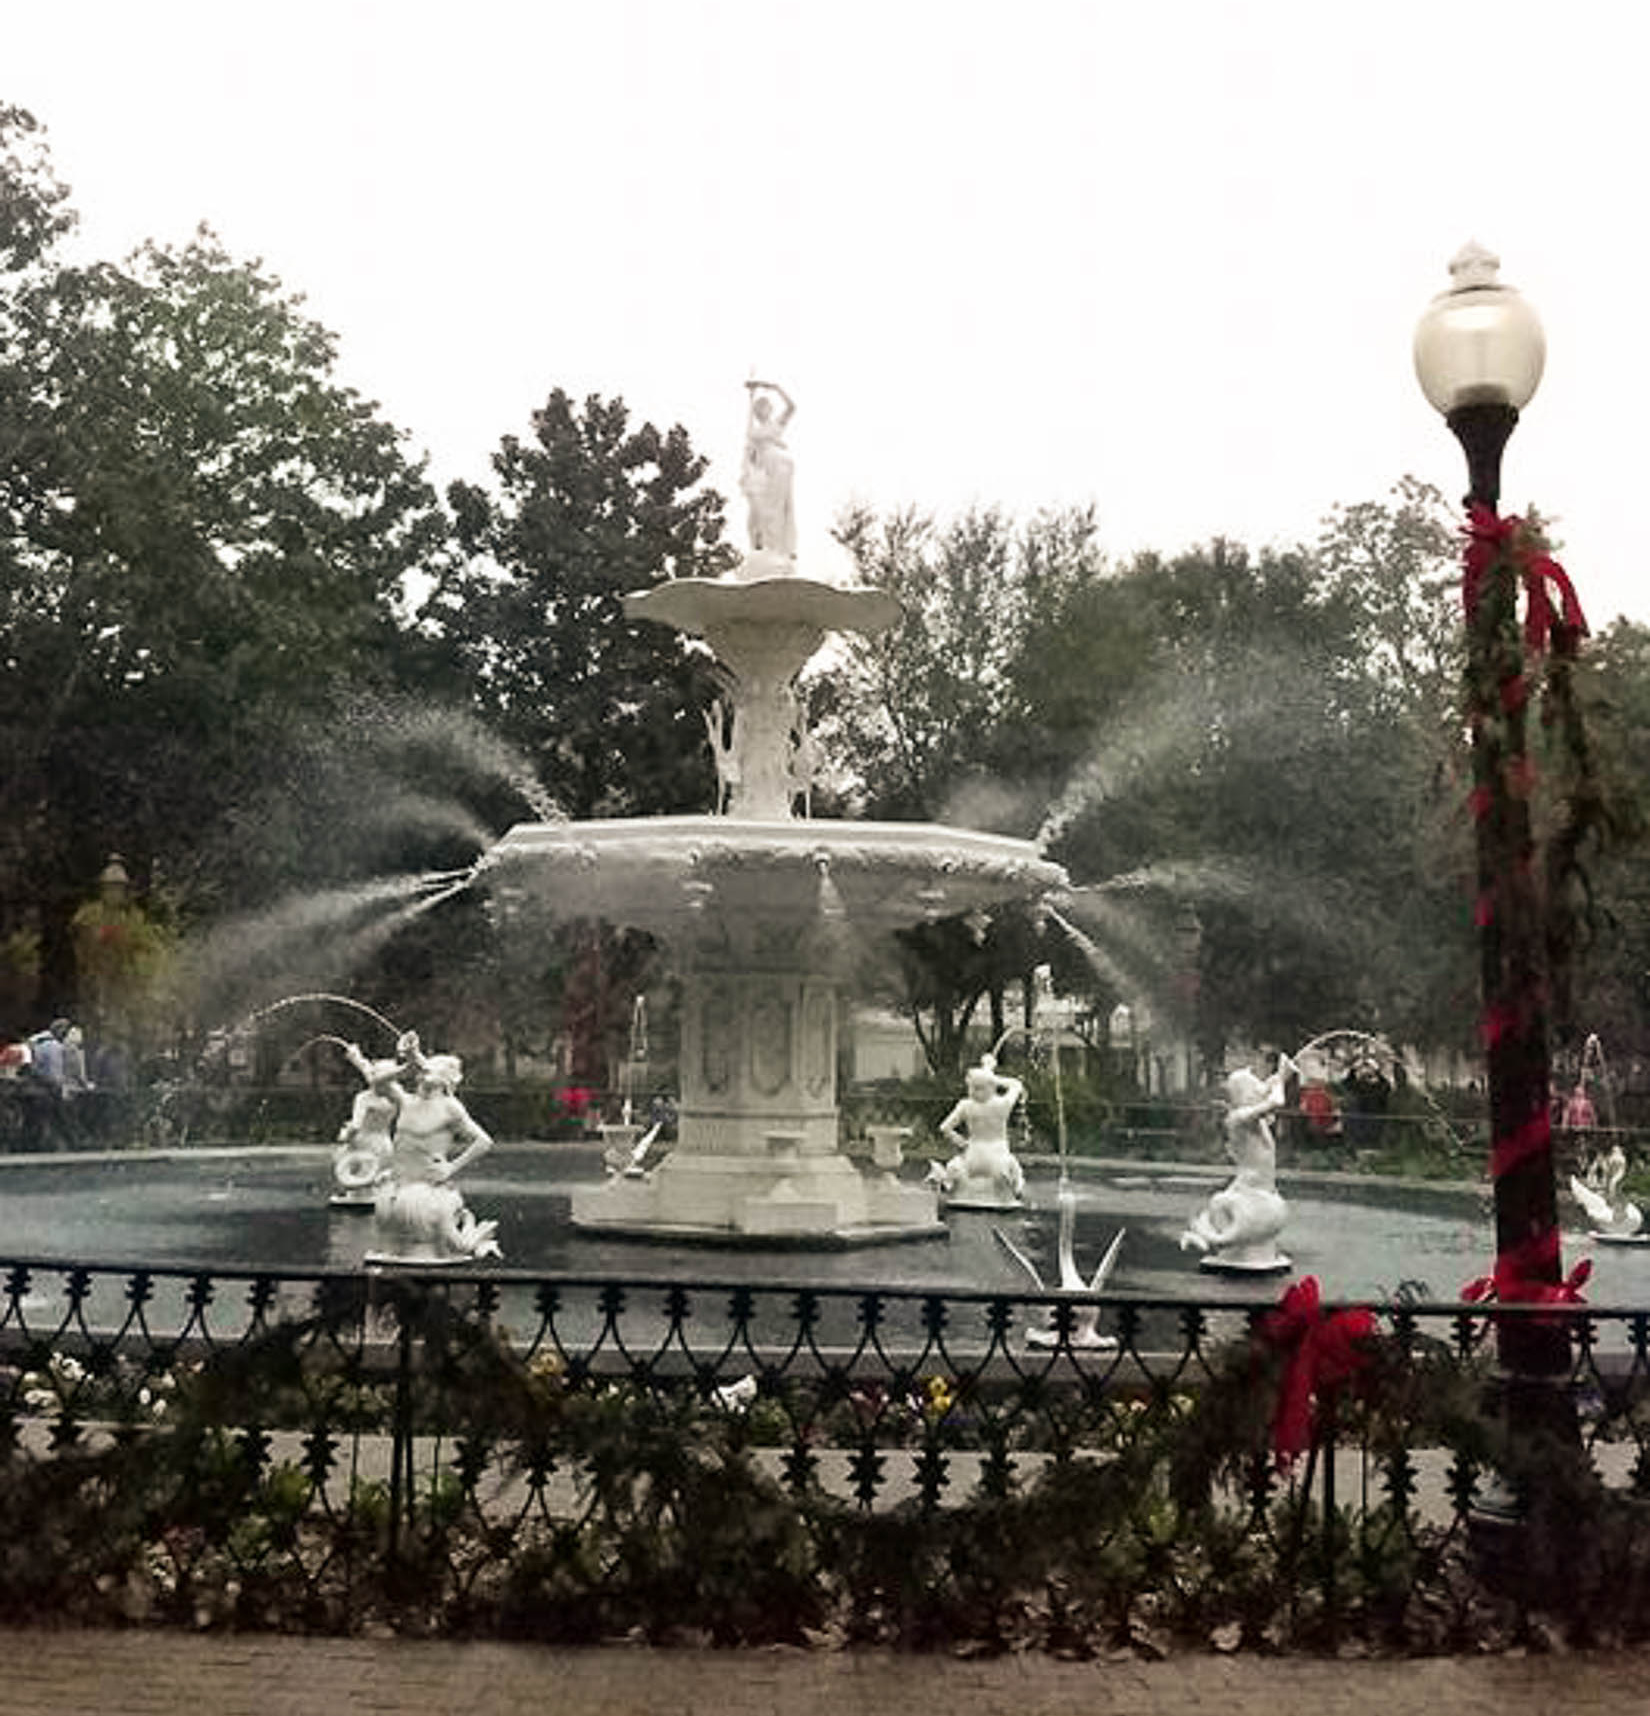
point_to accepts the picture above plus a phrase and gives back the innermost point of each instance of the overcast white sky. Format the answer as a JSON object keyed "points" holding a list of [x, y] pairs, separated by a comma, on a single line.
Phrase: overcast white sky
{"points": [[1164, 255]]}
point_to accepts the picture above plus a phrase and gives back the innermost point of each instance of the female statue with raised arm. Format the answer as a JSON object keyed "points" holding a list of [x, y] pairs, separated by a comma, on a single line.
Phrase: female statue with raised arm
{"points": [[766, 478]]}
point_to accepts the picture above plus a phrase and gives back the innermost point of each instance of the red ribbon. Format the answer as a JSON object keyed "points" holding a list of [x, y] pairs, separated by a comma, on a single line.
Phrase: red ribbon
{"points": [[1514, 1282], [1488, 539], [1531, 1138], [1324, 1352], [1540, 619]]}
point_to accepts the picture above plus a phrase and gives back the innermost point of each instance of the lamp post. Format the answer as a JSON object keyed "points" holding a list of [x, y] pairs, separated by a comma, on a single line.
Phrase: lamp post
{"points": [[1479, 351]]}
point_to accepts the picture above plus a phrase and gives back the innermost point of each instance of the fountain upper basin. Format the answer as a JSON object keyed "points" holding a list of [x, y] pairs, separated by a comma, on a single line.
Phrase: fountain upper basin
{"points": [[653, 872]]}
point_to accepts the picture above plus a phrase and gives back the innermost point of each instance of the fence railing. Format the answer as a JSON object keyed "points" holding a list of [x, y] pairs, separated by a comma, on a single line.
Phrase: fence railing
{"points": [[577, 1458]]}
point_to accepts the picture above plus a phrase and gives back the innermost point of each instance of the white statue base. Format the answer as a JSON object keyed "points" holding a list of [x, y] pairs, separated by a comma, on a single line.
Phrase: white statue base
{"points": [[1236, 1232], [982, 1195], [1085, 1334], [779, 1196], [1235, 1262], [355, 1176]]}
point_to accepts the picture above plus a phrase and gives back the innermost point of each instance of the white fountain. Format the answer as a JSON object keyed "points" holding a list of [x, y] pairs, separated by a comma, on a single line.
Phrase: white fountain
{"points": [[762, 909]]}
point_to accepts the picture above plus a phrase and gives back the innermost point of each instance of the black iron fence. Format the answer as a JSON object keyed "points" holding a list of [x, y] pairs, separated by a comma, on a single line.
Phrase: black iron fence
{"points": [[574, 1459]]}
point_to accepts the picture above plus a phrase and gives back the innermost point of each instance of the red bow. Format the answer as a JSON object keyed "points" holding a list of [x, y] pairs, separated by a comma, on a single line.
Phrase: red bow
{"points": [[1512, 1286], [1325, 1351], [1488, 538]]}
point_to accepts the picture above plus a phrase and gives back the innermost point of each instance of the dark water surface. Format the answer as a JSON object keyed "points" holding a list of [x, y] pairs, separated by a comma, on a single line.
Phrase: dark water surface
{"points": [[267, 1209]]}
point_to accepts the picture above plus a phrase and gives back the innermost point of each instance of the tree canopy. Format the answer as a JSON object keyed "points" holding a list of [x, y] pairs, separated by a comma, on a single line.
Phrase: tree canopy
{"points": [[607, 709], [1269, 742], [204, 537]]}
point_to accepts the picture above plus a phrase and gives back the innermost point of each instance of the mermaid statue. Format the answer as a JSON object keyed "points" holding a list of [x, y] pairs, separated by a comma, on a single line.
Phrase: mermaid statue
{"points": [[1238, 1228], [422, 1217], [984, 1173]]}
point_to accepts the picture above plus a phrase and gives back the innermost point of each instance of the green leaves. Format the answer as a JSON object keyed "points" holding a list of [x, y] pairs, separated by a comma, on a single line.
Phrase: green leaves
{"points": [[608, 709], [204, 536]]}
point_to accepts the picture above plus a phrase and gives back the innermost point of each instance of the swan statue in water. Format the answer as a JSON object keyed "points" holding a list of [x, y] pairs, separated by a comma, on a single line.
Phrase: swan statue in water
{"points": [[1238, 1228], [1610, 1215], [1085, 1331]]}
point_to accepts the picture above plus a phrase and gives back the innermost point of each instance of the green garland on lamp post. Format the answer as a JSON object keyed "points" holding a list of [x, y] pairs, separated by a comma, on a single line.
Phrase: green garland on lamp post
{"points": [[1479, 353]]}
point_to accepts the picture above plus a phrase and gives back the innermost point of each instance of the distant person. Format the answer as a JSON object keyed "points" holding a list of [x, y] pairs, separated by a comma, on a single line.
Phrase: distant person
{"points": [[76, 1080], [1577, 1113], [1367, 1096], [47, 1116], [46, 1053], [14, 1100], [78, 1112], [110, 1067], [1318, 1111]]}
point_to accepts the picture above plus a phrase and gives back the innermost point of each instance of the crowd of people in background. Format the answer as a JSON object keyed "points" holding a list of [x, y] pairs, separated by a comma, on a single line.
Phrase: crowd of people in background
{"points": [[56, 1087], [1345, 1110]]}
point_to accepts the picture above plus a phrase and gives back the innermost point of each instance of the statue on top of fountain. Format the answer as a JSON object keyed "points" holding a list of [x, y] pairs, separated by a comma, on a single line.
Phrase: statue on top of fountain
{"points": [[421, 1216], [985, 1173], [1238, 1228], [767, 479]]}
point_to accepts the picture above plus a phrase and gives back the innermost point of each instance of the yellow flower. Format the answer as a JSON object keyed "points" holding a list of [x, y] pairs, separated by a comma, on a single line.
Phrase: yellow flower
{"points": [[940, 1395]]}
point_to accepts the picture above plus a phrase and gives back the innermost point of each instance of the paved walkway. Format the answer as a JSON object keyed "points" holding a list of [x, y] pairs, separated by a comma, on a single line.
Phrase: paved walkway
{"points": [[79, 1673]]}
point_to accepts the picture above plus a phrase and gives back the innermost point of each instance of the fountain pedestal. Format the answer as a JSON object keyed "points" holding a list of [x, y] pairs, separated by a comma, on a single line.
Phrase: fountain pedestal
{"points": [[757, 1155]]}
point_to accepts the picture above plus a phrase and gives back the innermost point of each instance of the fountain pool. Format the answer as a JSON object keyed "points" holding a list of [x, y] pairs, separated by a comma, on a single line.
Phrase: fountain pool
{"points": [[267, 1210]]}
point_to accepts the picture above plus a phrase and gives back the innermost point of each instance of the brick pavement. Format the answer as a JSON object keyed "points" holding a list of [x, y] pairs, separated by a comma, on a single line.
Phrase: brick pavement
{"points": [[76, 1673]]}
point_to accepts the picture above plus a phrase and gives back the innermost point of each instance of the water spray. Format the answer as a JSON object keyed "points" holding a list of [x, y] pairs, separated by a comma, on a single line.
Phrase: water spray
{"points": [[332, 1000]]}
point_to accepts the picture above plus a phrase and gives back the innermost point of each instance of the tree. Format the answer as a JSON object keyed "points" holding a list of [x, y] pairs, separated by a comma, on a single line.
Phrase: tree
{"points": [[203, 537], [1395, 564], [609, 711], [1605, 898], [34, 203], [912, 712], [1257, 764], [949, 716]]}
